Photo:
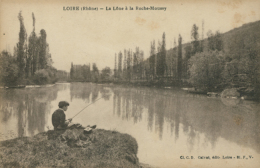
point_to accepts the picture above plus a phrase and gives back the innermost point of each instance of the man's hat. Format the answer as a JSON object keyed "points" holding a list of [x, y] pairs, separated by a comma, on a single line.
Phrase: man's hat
{"points": [[63, 103]]}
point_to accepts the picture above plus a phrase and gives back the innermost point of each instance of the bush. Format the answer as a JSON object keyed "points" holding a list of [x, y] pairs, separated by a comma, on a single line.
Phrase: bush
{"points": [[8, 69], [41, 77], [206, 68]]}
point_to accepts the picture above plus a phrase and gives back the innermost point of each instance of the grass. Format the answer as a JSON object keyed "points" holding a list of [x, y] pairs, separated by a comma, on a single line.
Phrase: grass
{"points": [[72, 148]]}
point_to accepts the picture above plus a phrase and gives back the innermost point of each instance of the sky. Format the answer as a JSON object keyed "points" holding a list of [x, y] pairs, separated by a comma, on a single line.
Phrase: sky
{"points": [[89, 36]]}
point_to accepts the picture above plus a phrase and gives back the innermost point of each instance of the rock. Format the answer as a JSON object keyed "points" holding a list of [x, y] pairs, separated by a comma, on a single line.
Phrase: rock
{"points": [[229, 93]]}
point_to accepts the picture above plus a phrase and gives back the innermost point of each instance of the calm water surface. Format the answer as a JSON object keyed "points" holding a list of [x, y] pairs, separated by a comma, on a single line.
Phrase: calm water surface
{"points": [[167, 123]]}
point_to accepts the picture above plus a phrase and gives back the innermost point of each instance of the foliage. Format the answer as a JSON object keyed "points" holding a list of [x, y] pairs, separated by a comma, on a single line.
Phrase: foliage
{"points": [[215, 41], [45, 76], [43, 49], [80, 73], [206, 68], [243, 57], [119, 70], [21, 55], [9, 70], [95, 73], [179, 64], [152, 59], [161, 57], [28, 59], [105, 74], [41, 77], [195, 39]]}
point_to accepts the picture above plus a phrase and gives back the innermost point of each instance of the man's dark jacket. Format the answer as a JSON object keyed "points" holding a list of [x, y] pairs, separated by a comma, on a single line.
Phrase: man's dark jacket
{"points": [[58, 119]]}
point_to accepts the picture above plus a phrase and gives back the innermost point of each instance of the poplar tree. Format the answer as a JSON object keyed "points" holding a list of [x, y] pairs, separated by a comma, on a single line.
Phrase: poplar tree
{"points": [[128, 65], [42, 50], [152, 59], [179, 65], [120, 64], [21, 54], [195, 39], [33, 53], [125, 64], [161, 66], [115, 69], [72, 71]]}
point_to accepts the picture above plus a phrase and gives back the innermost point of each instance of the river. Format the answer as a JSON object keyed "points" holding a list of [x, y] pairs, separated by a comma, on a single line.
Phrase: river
{"points": [[168, 124]]}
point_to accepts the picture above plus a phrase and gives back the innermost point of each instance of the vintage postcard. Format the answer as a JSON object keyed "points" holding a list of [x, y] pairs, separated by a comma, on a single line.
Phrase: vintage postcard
{"points": [[133, 83]]}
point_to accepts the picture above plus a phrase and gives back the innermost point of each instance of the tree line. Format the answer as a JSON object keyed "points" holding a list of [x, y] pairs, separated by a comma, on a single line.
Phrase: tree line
{"points": [[88, 73], [216, 62], [221, 60], [31, 61]]}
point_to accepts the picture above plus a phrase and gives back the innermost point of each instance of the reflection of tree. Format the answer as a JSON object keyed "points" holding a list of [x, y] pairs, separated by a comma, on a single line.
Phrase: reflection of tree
{"points": [[80, 91], [159, 115], [118, 105], [195, 114], [114, 103], [177, 118], [191, 139], [84, 90], [151, 108], [95, 91], [29, 106]]}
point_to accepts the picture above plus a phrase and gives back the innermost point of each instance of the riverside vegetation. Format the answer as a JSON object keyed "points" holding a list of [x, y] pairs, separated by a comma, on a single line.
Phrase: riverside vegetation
{"points": [[222, 60]]}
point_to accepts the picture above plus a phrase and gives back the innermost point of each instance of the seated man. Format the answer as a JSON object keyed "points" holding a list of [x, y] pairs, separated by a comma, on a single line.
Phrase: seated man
{"points": [[59, 121]]}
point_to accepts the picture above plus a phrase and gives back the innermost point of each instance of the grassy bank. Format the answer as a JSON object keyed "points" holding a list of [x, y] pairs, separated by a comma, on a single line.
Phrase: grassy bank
{"points": [[72, 148]]}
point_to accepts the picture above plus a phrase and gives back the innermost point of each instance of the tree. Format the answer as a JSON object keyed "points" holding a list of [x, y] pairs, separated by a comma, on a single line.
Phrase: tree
{"points": [[115, 69], [136, 62], [188, 53], [242, 59], [195, 39], [21, 54], [152, 59], [32, 59], [129, 64], [163, 55], [41, 77], [161, 66], [214, 41], [9, 71], [141, 64], [125, 65], [105, 74], [43, 50], [95, 73], [71, 71], [206, 69], [120, 56], [202, 37], [179, 64]]}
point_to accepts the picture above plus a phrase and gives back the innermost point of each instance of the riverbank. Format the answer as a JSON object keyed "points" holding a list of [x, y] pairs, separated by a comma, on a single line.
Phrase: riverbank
{"points": [[72, 148], [245, 93], [26, 86]]}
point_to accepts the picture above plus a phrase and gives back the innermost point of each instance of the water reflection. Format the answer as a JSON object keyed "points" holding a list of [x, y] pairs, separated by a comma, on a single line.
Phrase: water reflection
{"points": [[88, 91], [167, 120], [24, 112], [25, 109], [196, 113]]}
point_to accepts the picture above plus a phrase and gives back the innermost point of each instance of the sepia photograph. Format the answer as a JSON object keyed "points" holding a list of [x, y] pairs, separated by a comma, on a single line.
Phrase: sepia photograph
{"points": [[130, 83]]}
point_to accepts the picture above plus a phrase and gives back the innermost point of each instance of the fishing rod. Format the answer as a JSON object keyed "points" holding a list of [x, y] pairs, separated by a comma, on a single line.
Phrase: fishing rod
{"points": [[86, 107]]}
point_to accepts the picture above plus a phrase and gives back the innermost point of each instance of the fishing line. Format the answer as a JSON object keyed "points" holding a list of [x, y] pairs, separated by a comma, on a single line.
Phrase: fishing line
{"points": [[86, 107]]}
